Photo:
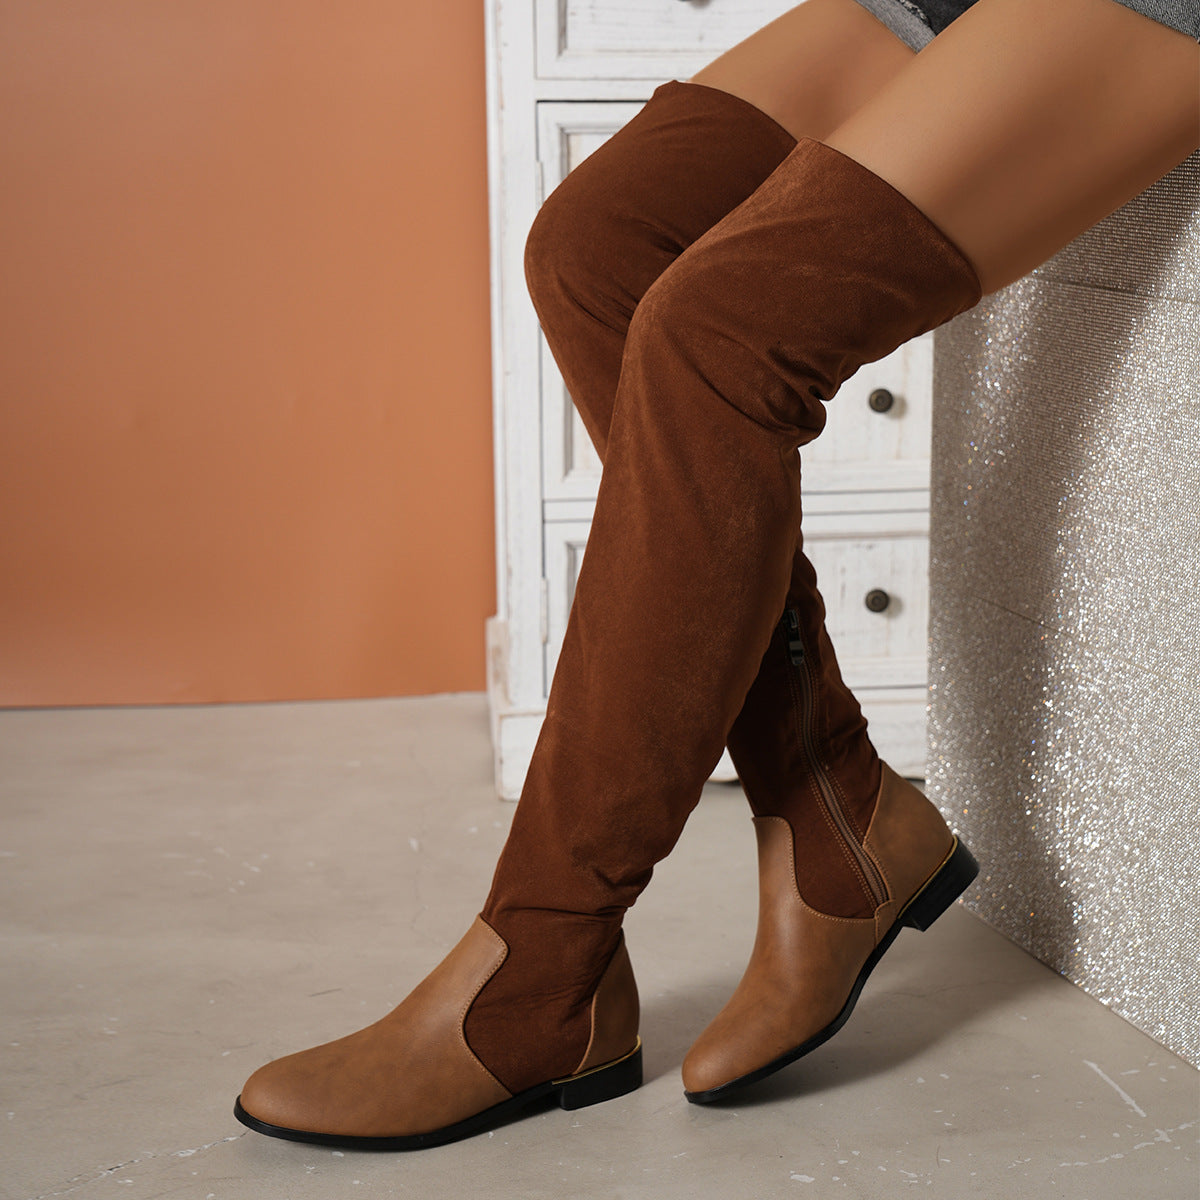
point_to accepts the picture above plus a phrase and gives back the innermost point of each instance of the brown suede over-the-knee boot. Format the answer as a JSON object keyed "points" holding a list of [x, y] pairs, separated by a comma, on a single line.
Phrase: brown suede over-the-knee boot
{"points": [[729, 359]]}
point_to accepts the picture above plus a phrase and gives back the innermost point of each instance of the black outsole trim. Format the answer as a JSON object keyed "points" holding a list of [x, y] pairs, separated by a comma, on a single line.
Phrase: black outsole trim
{"points": [[606, 1082], [942, 888]]}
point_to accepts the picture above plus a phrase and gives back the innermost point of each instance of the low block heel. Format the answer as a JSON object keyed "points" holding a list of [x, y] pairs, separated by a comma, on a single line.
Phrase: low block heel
{"points": [[951, 880], [604, 1083]]}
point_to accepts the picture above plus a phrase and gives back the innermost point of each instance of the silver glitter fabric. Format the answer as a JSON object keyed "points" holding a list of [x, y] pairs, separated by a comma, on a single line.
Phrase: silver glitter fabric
{"points": [[1065, 607]]}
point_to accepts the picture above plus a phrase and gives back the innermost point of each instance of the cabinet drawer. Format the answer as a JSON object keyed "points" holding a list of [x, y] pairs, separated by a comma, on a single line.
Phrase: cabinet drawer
{"points": [[863, 449], [875, 648], [642, 39]]}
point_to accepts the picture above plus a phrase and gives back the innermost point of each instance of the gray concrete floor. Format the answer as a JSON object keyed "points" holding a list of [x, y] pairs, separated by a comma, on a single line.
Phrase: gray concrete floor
{"points": [[186, 893]]}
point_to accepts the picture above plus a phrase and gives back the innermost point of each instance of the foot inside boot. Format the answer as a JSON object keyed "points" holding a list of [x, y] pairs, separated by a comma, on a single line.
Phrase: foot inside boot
{"points": [[412, 1079], [578, 1091], [946, 884]]}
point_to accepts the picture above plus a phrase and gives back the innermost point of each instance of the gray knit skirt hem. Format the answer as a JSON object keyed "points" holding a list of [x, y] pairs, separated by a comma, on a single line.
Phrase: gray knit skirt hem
{"points": [[904, 20], [908, 21]]}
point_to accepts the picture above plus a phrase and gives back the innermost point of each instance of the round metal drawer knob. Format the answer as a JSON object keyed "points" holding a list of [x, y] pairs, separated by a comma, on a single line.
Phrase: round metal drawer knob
{"points": [[881, 400], [877, 600]]}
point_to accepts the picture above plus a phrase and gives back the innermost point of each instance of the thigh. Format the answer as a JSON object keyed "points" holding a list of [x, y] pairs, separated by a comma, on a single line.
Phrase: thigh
{"points": [[812, 67], [1024, 123]]}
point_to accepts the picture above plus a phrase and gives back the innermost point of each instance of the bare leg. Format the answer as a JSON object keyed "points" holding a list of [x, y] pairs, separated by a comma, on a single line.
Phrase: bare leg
{"points": [[1025, 123], [1019, 127], [812, 67]]}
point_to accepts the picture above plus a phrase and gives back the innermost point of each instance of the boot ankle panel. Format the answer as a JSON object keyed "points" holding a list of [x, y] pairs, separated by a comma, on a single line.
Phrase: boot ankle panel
{"points": [[846, 751], [908, 837], [778, 763], [532, 1020], [828, 876], [615, 1013]]}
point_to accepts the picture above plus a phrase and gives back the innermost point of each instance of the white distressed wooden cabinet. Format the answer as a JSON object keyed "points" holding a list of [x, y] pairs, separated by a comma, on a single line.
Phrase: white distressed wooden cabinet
{"points": [[563, 75]]}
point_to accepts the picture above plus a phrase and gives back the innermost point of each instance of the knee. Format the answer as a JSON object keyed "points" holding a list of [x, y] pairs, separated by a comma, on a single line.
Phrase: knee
{"points": [[693, 315], [585, 256], [675, 306]]}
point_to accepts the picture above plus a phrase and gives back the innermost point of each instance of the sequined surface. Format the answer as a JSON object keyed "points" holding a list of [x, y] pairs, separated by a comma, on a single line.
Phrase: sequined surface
{"points": [[1065, 613]]}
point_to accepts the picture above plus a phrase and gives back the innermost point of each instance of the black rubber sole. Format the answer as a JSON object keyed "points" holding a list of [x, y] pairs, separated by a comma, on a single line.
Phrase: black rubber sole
{"points": [[946, 884], [592, 1087]]}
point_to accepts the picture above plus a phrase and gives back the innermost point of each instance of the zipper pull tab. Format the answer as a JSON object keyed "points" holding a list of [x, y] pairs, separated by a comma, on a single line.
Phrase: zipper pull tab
{"points": [[795, 644]]}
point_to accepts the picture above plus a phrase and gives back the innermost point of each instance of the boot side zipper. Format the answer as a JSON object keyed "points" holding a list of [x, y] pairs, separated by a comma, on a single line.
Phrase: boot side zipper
{"points": [[808, 716]]}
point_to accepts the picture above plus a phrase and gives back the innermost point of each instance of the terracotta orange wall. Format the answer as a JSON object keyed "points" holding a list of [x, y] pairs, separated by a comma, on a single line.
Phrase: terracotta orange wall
{"points": [[245, 432]]}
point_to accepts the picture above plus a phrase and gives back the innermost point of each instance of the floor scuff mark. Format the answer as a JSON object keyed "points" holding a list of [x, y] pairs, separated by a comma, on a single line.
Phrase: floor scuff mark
{"points": [[1116, 1087], [73, 1185]]}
